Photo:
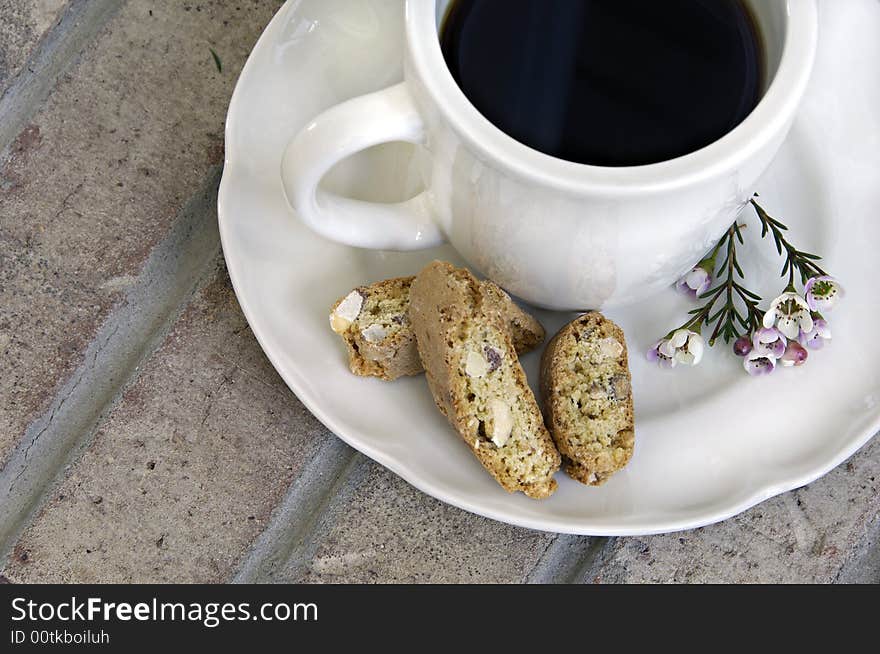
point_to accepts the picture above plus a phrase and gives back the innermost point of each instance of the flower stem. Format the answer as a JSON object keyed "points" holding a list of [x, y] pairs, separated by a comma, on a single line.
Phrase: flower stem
{"points": [[728, 319], [804, 263]]}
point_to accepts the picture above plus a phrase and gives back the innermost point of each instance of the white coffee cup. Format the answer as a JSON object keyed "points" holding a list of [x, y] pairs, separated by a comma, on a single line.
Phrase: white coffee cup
{"points": [[558, 234]]}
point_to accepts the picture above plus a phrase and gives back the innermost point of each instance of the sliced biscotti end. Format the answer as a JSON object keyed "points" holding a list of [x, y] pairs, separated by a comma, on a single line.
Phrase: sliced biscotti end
{"points": [[525, 329], [464, 340], [374, 323], [587, 395]]}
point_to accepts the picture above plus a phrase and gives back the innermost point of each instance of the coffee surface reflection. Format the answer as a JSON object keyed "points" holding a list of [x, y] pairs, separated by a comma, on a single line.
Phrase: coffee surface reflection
{"points": [[607, 82]]}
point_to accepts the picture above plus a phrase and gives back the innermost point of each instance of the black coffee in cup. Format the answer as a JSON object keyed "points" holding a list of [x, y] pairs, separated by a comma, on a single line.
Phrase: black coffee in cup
{"points": [[607, 82]]}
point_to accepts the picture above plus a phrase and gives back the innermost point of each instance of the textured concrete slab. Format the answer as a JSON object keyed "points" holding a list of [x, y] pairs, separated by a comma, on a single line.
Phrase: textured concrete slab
{"points": [[567, 559], [808, 535], [288, 537], [381, 529], [187, 468], [95, 182], [23, 24], [864, 566], [41, 39], [133, 330]]}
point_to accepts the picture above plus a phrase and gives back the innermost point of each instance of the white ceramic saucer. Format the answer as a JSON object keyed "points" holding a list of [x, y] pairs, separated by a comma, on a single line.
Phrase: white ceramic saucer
{"points": [[710, 441]]}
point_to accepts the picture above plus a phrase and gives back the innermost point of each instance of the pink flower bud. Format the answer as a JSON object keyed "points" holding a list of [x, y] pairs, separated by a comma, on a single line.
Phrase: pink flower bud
{"points": [[795, 354], [742, 346]]}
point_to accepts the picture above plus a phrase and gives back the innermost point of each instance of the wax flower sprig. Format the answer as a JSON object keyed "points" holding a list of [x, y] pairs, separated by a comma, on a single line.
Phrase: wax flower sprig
{"points": [[795, 260], [764, 339], [685, 343]]}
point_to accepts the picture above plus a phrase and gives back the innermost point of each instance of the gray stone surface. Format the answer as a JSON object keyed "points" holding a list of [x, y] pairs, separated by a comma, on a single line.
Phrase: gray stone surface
{"points": [[288, 539], [567, 559], [187, 468], [864, 566], [95, 181], [130, 333], [380, 529], [23, 24], [42, 40], [808, 535]]}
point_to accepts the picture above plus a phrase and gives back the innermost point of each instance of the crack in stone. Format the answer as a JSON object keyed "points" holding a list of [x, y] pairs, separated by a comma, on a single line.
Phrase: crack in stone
{"points": [[209, 397], [525, 578], [65, 203], [249, 373], [57, 407]]}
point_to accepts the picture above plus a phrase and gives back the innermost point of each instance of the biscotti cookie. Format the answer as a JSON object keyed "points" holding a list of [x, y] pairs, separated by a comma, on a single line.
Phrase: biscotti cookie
{"points": [[475, 377], [373, 322], [585, 386]]}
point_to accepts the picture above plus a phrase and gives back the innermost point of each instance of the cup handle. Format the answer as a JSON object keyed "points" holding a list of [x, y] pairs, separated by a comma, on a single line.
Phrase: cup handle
{"points": [[339, 132]]}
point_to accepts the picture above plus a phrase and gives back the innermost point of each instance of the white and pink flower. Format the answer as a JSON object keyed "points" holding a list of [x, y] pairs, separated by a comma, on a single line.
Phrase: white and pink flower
{"points": [[688, 346], [695, 283], [683, 346], [662, 353], [816, 337], [822, 293], [757, 364], [766, 347], [790, 314], [769, 341]]}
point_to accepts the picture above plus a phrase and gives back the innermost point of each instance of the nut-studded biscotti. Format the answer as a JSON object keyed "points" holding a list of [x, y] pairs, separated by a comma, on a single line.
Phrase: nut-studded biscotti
{"points": [[474, 374], [373, 322], [585, 385]]}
